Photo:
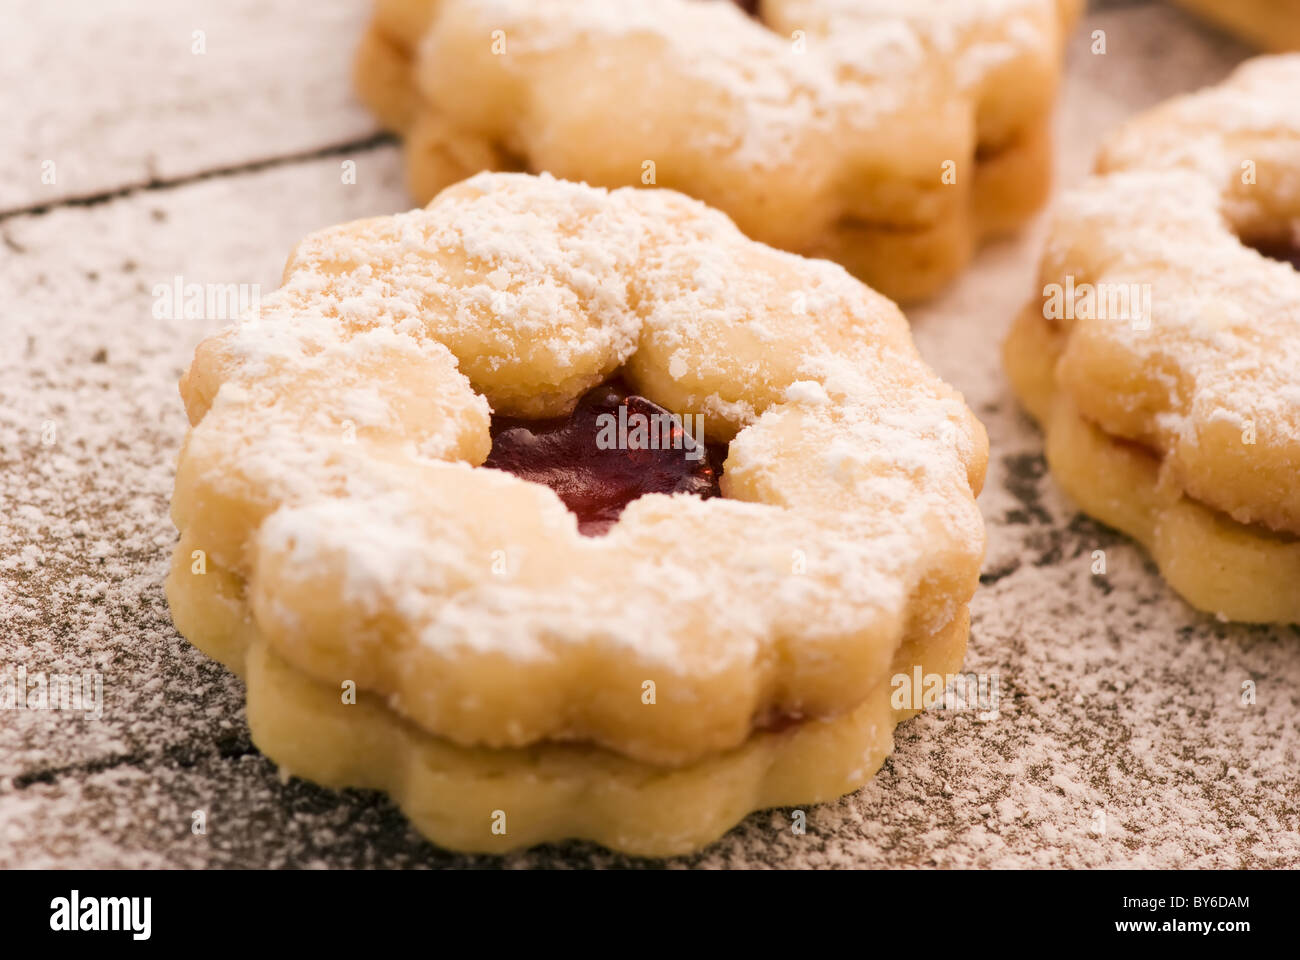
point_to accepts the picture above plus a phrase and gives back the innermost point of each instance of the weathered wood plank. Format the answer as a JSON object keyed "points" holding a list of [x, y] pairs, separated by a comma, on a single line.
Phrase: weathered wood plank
{"points": [[90, 422], [101, 94]]}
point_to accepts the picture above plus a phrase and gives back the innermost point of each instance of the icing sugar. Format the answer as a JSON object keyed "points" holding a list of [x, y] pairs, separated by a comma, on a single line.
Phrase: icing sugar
{"points": [[1179, 186], [799, 73], [555, 278]]}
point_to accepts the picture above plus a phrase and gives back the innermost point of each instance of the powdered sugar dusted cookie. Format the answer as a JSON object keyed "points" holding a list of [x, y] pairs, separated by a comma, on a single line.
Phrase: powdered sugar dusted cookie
{"points": [[391, 486], [1270, 24], [1163, 357], [889, 135]]}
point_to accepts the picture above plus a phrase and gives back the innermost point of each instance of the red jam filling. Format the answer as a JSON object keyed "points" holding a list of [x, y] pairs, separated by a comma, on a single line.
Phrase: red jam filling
{"points": [[614, 447]]}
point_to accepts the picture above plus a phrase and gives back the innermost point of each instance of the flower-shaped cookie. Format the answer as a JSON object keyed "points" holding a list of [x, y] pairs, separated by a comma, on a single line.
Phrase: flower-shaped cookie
{"points": [[645, 688], [888, 135], [1269, 24], [1163, 357]]}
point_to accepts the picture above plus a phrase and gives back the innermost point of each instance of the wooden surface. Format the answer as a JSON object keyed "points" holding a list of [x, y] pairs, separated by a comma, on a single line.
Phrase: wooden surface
{"points": [[125, 93], [1121, 738]]}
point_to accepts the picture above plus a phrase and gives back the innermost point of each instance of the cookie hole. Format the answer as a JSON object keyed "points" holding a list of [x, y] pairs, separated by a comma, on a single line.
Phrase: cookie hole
{"points": [[1282, 249], [987, 151], [749, 7], [614, 448]]}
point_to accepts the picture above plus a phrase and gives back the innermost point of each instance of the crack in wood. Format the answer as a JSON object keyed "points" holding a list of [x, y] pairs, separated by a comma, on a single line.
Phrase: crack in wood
{"points": [[254, 166], [182, 755]]}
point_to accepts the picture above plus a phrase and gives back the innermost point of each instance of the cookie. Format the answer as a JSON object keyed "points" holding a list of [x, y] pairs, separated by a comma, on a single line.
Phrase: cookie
{"points": [[1162, 356], [638, 647], [1269, 24], [890, 136]]}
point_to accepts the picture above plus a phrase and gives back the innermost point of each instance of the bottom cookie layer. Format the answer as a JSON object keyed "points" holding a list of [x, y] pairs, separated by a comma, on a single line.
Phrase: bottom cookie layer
{"points": [[486, 800], [1237, 571], [914, 262]]}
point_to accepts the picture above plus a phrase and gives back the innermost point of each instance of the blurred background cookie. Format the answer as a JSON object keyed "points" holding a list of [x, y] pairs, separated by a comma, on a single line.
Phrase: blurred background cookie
{"points": [[1269, 24], [1163, 357], [892, 135]]}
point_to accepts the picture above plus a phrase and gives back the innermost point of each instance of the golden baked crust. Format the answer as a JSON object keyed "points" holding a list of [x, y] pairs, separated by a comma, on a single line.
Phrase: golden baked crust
{"points": [[1270, 24], [335, 525], [547, 792], [330, 467], [1178, 420], [891, 135]]}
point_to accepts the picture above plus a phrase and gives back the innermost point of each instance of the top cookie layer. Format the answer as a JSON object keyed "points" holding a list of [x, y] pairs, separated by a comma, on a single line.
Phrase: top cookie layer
{"points": [[1207, 374], [334, 437]]}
